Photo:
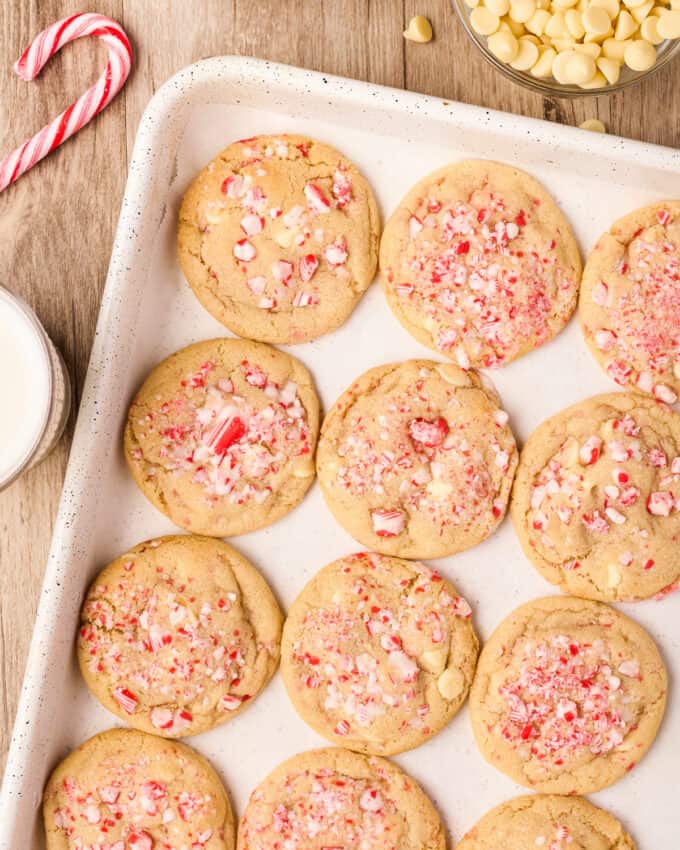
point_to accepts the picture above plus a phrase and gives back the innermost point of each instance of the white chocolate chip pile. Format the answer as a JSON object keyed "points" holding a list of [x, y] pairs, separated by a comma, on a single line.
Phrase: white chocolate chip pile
{"points": [[576, 42]]}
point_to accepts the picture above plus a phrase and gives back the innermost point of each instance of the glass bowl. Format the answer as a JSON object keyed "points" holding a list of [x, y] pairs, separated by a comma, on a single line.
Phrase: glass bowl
{"points": [[549, 86]]}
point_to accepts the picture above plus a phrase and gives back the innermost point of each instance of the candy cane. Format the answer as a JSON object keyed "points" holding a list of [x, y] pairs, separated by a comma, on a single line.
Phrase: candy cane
{"points": [[96, 98]]}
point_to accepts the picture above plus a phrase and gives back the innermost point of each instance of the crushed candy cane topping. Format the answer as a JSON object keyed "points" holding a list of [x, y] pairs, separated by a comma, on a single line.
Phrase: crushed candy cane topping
{"points": [[303, 225], [328, 809], [568, 700], [482, 277], [610, 499], [637, 327], [445, 461], [235, 437], [133, 806], [172, 646], [372, 638]]}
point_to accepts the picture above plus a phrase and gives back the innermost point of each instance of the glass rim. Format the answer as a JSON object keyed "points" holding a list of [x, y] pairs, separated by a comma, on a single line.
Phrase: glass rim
{"points": [[41, 337]]}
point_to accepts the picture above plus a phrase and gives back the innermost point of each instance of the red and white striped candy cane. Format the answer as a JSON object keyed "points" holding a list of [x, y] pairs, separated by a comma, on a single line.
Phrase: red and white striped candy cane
{"points": [[96, 98]]}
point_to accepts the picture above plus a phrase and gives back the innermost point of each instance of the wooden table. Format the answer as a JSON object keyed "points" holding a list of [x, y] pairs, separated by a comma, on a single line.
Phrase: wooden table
{"points": [[57, 223]]}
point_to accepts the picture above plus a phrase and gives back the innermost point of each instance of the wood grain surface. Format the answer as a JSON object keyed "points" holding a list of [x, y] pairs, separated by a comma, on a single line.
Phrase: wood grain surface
{"points": [[57, 222]]}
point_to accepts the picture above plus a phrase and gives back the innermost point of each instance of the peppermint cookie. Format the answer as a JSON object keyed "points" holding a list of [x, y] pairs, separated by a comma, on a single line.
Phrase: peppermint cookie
{"points": [[378, 654], [550, 822], [568, 695], [221, 436], [596, 502], [630, 301], [278, 238], [125, 790], [416, 459], [479, 263], [333, 798], [178, 635]]}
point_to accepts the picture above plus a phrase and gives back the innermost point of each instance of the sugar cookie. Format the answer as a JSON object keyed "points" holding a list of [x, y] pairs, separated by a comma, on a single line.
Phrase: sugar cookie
{"points": [[221, 436], [278, 238], [378, 653], [479, 263], [416, 459]]}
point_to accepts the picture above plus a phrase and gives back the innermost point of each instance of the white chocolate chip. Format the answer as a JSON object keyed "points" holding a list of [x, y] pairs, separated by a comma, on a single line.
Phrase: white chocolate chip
{"points": [[453, 375], [438, 489], [504, 46], [538, 22], [599, 81], [557, 26], [574, 22], [649, 30], [419, 30], [640, 13], [580, 68], [613, 575], [640, 55], [304, 469], [592, 50], [283, 237], [434, 660], [522, 10], [498, 7], [450, 683], [559, 68], [625, 26], [483, 21], [596, 20], [214, 216], [527, 55], [543, 68], [613, 49], [611, 7], [610, 68], [669, 24], [594, 125]]}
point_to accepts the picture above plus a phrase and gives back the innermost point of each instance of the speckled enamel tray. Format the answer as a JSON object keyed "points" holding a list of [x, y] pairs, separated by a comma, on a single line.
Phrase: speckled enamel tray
{"points": [[148, 311]]}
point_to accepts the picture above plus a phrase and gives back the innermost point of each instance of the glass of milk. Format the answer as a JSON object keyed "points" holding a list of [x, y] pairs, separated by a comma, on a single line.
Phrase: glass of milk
{"points": [[34, 388]]}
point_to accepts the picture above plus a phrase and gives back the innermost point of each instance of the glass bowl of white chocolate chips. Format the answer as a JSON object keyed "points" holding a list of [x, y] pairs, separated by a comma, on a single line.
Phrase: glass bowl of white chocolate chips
{"points": [[574, 47]]}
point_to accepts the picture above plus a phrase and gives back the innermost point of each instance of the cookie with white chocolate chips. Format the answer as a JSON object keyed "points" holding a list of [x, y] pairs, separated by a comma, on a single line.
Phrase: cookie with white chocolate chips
{"points": [[416, 459], [178, 635], [568, 695], [549, 822], [221, 436], [333, 798], [125, 789], [278, 238], [630, 301], [479, 263], [596, 500], [378, 653]]}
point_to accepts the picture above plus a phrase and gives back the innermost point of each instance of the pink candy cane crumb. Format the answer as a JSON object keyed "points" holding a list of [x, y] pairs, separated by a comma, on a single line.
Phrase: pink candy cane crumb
{"points": [[126, 699]]}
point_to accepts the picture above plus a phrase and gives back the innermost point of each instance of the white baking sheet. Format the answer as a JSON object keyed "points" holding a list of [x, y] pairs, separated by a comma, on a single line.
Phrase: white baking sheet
{"points": [[148, 311]]}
